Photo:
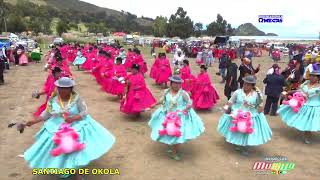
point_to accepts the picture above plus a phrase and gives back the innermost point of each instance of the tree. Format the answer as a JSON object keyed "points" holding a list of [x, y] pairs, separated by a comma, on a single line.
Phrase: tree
{"points": [[160, 26], [197, 29], [180, 24], [62, 27], [15, 23], [98, 28], [230, 30], [130, 23], [3, 14], [218, 27], [39, 24]]}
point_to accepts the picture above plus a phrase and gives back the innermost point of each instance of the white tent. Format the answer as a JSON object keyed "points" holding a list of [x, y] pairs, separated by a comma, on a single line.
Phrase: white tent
{"points": [[234, 38], [13, 37]]}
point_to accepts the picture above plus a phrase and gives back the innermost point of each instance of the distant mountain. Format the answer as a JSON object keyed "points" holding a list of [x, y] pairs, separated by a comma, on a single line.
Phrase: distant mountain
{"points": [[249, 29], [271, 34]]}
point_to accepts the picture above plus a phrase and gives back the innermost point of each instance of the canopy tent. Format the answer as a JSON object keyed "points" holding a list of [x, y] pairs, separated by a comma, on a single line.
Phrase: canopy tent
{"points": [[191, 39], [221, 40], [234, 38]]}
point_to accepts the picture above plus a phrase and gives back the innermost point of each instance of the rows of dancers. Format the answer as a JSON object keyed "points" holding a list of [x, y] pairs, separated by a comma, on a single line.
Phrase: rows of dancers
{"points": [[173, 123]]}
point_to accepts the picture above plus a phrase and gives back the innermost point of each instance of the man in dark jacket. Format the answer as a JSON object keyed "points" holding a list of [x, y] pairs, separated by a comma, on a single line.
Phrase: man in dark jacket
{"points": [[246, 69], [275, 83], [231, 79], [223, 67]]}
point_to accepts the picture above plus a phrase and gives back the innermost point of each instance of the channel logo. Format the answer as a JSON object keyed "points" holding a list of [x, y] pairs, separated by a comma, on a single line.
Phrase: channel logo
{"points": [[270, 18]]}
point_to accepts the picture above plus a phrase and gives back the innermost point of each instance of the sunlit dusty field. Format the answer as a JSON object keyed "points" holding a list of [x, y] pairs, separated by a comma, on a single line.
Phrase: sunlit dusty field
{"points": [[136, 156]]}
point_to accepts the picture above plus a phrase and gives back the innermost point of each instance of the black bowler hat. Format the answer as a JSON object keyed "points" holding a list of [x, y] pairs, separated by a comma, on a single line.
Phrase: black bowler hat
{"points": [[135, 66]]}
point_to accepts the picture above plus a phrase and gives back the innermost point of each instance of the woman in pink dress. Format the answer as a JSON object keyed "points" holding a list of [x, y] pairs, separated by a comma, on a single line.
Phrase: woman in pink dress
{"points": [[64, 51], [153, 70], [216, 53], [187, 77], [48, 89], [90, 56], [204, 95], [128, 64], [138, 59], [62, 64], [106, 72], [10, 54], [72, 54], [100, 61], [117, 86], [23, 59], [232, 54], [138, 97], [163, 70]]}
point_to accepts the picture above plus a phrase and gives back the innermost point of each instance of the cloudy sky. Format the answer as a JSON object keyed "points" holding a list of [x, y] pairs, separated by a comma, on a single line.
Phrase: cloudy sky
{"points": [[300, 18]]}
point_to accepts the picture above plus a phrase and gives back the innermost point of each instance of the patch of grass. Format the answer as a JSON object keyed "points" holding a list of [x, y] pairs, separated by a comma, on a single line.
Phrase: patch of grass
{"points": [[37, 2], [83, 27], [44, 46], [13, 2]]}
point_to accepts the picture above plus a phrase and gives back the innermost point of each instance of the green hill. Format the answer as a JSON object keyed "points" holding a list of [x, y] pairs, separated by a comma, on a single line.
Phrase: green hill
{"points": [[249, 29], [74, 12]]}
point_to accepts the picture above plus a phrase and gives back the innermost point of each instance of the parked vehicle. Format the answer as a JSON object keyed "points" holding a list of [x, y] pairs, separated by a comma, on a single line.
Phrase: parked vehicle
{"points": [[28, 44], [281, 47], [128, 40], [58, 41], [4, 41], [108, 41], [277, 45]]}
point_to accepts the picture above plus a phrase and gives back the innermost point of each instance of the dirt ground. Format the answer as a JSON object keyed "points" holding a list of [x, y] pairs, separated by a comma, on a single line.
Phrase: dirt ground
{"points": [[135, 155]]}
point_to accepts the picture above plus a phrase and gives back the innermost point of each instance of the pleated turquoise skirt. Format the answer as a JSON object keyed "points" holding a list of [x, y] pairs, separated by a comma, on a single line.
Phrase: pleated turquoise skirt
{"points": [[79, 61], [307, 119], [97, 139], [261, 135], [192, 127]]}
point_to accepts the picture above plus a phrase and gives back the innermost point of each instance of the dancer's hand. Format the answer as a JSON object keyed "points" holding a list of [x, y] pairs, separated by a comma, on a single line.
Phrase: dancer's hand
{"points": [[69, 119], [30, 123], [260, 109], [185, 111], [227, 109], [124, 96]]}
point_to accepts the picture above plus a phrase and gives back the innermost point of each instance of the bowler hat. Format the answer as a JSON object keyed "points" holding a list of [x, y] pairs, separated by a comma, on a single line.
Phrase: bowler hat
{"points": [[65, 82], [176, 79], [135, 66], [249, 79]]}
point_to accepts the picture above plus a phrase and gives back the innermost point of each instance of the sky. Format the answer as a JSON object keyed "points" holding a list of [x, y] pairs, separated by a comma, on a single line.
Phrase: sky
{"points": [[300, 18]]}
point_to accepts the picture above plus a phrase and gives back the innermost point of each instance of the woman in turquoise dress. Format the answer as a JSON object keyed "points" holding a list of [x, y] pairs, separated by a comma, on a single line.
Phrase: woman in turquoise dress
{"points": [[66, 106], [176, 99], [123, 55], [307, 119], [247, 99], [80, 59]]}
